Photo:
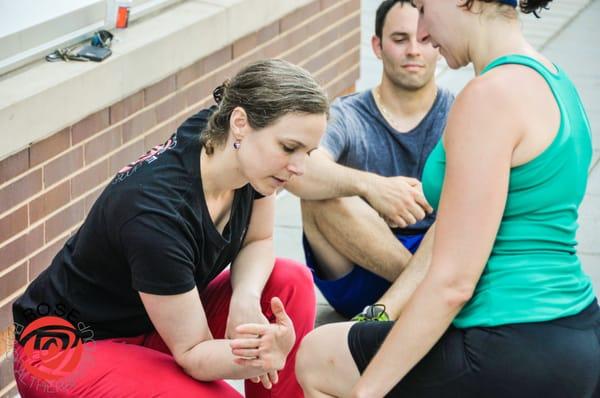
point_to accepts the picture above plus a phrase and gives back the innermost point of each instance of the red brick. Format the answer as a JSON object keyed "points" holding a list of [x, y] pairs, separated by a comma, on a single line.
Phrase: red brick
{"points": [[204, 104], [267, 33], [314, 27], [20, 190], [341, 66], [334, 15], [13, 223], [170, 107], [103, 144], [89, 179], [217, 59], [6, 320], [126, 107], [244, 45], [190, 73], [275, 48], [44, 258], [159, 90], [6, 374], [50, 147], [186, 115], [90, 126], [202, 89], [335, 88], [351, 6], [309, 48], [66, 164], [125, 156], [328, 3], [21, 247], [237, 64], [49, 201], [13, 280], [337, 49], [139, 124], [298, 16], [91, 198], [13, 392], [14, 165], [159, 136], [63, 221], [349, 25], [321, 31]]}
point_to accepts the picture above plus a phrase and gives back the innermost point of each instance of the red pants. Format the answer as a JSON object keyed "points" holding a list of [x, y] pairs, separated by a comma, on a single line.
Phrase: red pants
{"points": [[143, 366]]}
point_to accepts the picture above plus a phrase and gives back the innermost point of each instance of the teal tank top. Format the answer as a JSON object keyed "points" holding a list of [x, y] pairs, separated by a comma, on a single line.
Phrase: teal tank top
{"points": [[533, 273]]}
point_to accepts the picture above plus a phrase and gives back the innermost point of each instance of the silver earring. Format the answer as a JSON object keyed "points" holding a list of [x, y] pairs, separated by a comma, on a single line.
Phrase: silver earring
{"points": [[237, 144]]}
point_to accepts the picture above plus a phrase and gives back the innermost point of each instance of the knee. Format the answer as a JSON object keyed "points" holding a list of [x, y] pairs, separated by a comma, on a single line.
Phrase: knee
{"points": [[312, 206], [290, 272], [292, 282], [307, 366]]}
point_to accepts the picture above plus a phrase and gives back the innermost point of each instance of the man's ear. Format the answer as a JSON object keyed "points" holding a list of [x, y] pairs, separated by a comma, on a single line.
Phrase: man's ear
{"points": [[238, 123], [376, 46]]}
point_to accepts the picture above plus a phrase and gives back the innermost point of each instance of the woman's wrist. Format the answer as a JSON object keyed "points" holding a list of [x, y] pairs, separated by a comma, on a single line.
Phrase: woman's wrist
{"points": [[245, 296]]}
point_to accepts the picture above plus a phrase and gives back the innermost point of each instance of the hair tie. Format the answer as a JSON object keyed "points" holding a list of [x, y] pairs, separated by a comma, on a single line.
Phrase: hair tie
{"points": [[219, 92]]}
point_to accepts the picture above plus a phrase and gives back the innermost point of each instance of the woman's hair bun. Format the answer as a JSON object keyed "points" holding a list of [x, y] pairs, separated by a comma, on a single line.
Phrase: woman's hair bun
{"points": [[533, 6], [219, 92]]}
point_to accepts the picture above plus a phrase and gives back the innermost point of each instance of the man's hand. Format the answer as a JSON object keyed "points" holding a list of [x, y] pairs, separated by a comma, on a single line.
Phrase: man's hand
{"points": [[265, 346], [398, 200]]}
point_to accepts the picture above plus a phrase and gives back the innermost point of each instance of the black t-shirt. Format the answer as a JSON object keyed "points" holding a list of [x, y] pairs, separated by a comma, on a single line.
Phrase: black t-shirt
{"points": [[149, 231]]}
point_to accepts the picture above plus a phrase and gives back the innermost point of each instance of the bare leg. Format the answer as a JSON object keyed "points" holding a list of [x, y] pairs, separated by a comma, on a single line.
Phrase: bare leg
{"points": [[347, 231], [324, 364]]}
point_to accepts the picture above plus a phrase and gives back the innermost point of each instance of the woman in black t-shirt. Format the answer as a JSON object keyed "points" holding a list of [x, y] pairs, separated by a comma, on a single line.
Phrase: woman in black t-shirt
{"points": [[137, 303]]}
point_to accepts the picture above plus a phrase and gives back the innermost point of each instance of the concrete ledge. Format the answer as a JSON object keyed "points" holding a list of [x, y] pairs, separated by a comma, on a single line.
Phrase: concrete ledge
{"points": [[42, 98]]}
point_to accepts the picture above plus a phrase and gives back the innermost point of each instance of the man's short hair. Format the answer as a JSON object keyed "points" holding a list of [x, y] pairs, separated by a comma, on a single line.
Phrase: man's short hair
{"points": [[382, 12]]}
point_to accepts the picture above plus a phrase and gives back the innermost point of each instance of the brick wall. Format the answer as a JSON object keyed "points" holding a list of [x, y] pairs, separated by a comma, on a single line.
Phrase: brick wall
{"points": [[47, 188]]}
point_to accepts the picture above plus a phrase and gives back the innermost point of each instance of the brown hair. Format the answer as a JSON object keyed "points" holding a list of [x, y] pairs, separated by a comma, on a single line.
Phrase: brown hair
{"points": [[526, 6], [266, 90]]}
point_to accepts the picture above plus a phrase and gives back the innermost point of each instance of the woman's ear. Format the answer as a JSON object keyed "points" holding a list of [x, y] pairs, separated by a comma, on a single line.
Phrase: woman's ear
{"points": [[238, 123]]}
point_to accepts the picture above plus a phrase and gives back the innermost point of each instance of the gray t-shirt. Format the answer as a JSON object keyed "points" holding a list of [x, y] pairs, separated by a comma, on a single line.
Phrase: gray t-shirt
{"points": [[358, 136]]}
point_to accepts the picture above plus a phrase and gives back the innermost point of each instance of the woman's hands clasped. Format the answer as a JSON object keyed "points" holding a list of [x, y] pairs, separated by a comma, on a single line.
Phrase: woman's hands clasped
{"points": [[265, 346]]}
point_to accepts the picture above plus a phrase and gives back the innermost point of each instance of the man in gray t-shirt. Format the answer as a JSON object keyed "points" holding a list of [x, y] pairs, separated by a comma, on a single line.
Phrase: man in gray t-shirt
{"points": [[363, 210]]}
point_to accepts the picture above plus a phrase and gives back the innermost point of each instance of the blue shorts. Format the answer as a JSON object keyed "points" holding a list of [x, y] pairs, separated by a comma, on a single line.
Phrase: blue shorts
{"points": [[350, 294]]}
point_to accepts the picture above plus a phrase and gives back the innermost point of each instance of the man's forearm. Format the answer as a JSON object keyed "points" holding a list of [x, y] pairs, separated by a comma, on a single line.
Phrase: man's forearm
{"points": [[396, 297], [325, 179]]}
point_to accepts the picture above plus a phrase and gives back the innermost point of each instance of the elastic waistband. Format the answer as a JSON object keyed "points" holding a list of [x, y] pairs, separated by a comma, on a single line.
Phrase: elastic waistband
{"points": [[588, 317]]}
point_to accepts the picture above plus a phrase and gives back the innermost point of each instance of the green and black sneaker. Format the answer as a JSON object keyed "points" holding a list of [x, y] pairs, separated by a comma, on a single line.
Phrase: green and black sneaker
{"points": [[375, 312]]}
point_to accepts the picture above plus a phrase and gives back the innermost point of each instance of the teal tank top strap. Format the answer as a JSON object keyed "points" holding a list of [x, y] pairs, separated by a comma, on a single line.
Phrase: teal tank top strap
{"points": [[559, 86], [525, 61]]}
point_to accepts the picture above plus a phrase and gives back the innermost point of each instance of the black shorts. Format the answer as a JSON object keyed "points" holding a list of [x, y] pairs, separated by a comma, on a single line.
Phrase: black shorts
{"points": [[559, 358]]}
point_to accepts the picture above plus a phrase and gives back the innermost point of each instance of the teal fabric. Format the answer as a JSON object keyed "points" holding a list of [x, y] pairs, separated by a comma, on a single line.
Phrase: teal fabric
{"points": [[533, 273]]}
